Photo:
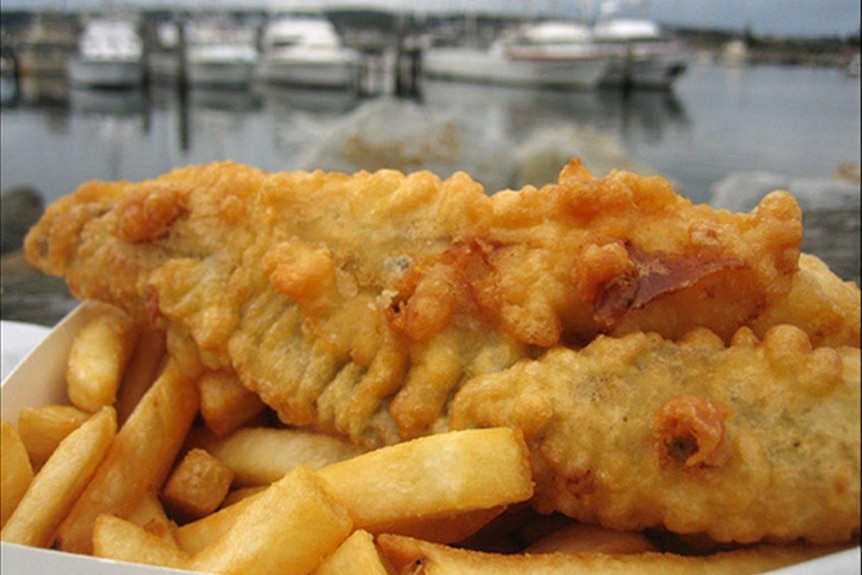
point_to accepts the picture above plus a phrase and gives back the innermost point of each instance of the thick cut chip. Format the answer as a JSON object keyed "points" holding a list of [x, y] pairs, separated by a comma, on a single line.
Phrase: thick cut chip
{"points": [[16, 472], [288, 529], [98, 359], [198, 535], [142, 370], [225, 403], [57, 485], [262, 455], [583, 537], [43, 428], [122, 540], [358, 555], [150, 514], [139, 458], [433, 477]]}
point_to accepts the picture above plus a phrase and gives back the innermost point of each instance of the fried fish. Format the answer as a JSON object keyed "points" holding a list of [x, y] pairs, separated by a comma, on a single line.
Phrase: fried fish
{"points": [[365, 305], [752, 440]]}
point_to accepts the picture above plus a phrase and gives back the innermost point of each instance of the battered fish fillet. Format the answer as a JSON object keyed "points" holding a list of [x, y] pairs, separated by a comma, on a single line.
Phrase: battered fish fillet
{"points": [[361, 305], [759, 439]]}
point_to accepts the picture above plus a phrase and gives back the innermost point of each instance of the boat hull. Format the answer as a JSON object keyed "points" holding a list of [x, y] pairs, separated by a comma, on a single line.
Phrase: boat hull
{"points": [[655, 72], [106, 73], [310, 74], [464, 64], [213, 74]]}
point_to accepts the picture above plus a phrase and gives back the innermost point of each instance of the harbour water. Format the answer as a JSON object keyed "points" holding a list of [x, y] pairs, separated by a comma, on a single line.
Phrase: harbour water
{"points": [[794, 121], [797, 122]]}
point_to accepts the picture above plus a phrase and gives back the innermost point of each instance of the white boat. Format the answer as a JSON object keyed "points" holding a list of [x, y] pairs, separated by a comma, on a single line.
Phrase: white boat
{"points": [[300, 50], [644, 57], [220, 53], [110, 55], [734, 53], [543, 54]]}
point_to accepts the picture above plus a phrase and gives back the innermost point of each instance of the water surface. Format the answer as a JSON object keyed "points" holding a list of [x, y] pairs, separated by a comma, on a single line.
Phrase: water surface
{"points": [[793, 121]]}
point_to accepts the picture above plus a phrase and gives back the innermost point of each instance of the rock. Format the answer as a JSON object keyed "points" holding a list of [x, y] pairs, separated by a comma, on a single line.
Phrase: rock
{"points": [[402, 135], [849, 171], [830, 206], [20, 208], [742, 191], [542, 156]]}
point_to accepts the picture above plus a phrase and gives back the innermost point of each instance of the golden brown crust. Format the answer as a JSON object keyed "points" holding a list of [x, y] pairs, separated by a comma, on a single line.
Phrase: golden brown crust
{"points": [[407, 281], [363, 304], [759, 439]]}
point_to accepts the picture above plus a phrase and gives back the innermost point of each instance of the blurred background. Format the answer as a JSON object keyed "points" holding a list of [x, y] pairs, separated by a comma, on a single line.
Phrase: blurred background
{"points": [[728, 100]]}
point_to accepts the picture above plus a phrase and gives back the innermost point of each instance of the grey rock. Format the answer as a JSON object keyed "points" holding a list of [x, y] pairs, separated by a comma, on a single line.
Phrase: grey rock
{"points": [[742, 191]]}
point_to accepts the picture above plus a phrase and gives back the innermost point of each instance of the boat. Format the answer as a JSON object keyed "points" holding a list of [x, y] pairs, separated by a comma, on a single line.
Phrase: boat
{"points": [[47, 44], [643, 56], [734, 53], [110, 54], [300, 50], [555, 54], [220, 53]]}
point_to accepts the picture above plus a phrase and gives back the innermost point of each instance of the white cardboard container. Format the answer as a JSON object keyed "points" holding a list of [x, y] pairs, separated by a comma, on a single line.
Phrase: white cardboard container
{"points": [[39, 379]]}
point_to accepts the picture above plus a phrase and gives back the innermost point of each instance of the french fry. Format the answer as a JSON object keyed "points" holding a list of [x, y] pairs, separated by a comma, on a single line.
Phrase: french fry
{"points": [[98, 358], [60, 481], [197, 486], [407, 500], [150, 515], [447, 529], [583, 537], [357, 555], [433, 477], [139, 457], [419, 557], [122, 540], [238, 495], [141, 371], [287, 529], [262, 455], [197, 535], [43, 428], [225, 403], [16, 473]]}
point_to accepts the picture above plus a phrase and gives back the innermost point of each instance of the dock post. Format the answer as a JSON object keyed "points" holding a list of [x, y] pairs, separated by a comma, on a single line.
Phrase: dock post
{"points": [[182, 86], [628, 70], [408, 67], [11, 55]]}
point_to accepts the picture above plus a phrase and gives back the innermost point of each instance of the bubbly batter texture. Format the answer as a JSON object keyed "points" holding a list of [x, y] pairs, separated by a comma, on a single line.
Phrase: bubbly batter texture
{"points": [[375, 305]]}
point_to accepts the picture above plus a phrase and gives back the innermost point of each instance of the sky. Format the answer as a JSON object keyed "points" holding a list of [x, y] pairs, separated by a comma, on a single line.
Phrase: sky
{"points": [[794, 18]]}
